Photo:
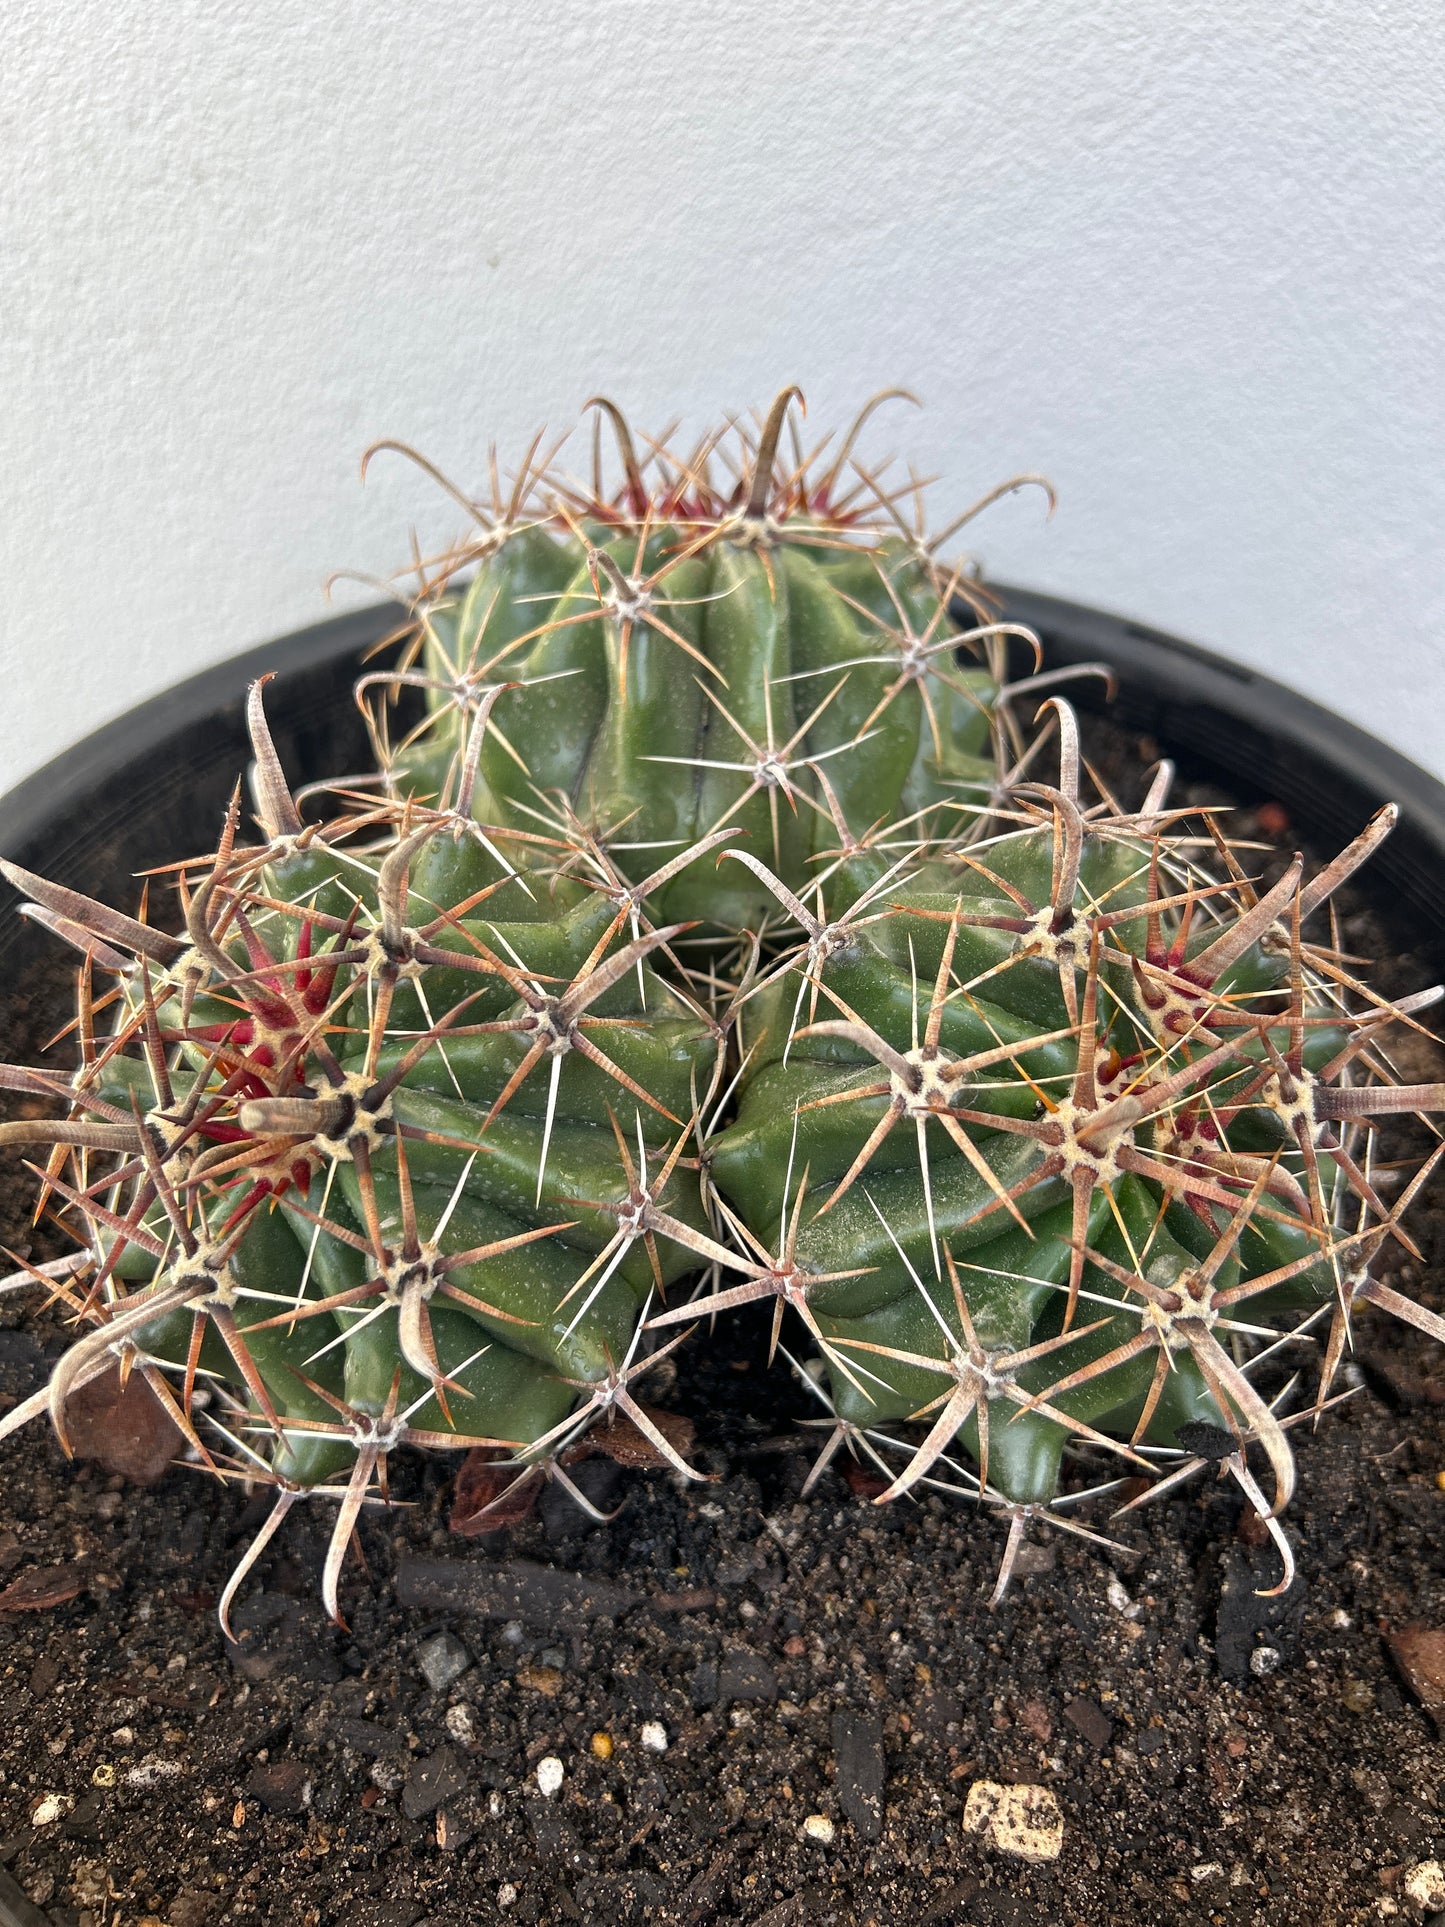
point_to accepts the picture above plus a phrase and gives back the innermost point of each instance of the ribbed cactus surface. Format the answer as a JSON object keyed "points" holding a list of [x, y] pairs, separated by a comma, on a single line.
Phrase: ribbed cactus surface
{"points": [[1045, 1127], [763, 653], [711, 934], [399, 1152]]}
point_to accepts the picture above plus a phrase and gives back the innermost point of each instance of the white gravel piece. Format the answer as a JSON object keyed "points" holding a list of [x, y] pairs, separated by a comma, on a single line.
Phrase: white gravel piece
{"points": [[1024, 1821], [1424, 1886], [1118, 1597], [461, 1723]]}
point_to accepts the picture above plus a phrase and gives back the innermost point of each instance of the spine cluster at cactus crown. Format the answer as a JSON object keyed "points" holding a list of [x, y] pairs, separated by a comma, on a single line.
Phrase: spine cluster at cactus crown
{"points": [[722, 925]]}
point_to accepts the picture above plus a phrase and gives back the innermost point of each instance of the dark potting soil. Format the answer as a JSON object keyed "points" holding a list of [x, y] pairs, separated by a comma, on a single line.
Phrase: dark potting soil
{"points": [[765, 1709]]}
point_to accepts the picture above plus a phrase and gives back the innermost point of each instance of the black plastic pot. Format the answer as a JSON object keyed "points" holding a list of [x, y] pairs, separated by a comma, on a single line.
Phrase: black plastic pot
{"points": [[151, 787], [1262, 742]]}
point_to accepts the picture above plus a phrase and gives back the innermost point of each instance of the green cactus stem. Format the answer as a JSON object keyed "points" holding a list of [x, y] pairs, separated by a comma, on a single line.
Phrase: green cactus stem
{"points": [[767, 653], [1081, 1119], [706, 937]]}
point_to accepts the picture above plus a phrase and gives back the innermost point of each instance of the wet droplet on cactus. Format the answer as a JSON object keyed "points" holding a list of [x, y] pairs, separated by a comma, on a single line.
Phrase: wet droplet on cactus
{"points": [[712, 935]]}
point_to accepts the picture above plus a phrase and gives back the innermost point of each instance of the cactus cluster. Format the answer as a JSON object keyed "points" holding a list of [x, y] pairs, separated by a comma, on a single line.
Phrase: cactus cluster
{"points": [[708, 935]]}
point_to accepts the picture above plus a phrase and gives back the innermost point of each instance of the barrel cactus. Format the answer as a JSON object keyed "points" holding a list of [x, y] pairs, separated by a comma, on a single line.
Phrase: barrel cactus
{"points": [[708, 936]]}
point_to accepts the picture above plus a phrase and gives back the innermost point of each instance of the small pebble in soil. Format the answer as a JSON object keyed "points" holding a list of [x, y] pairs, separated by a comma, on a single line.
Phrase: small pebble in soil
{"points": [[190, 1908], [1087, 1717], [1023, 1821], [461, 1723], [1358, 1697], [819, 1827], [89, 1887], [442, 1659], [602, 1745], [546, 1680], [47, 1810], [550, 1775], [506, 1894], [1118, 1597], [654, 1736], [1263, 1661], [282, 1786], [1035, 1718], [1374, 1785]]}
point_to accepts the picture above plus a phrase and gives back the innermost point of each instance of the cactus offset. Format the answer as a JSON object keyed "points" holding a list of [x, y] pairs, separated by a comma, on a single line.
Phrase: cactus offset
{"points": [[706, 929], [371, 1173], [1077, 1115]]}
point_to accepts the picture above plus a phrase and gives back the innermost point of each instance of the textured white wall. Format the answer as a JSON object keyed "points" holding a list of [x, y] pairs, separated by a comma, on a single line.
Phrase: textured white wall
{"points": [[1188, 256]]}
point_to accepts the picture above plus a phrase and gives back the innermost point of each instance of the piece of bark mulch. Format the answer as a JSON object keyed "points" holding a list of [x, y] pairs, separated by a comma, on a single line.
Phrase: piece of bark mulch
{"points": [[863, 1481], [282, 1786], [1090, 1719], [689, 1599], [630, 1445], [858, 1749], [491, 1493], [1250, 1615], [1419, 1652], [746, 1675], [440, 1777], [512, 1589], [702, 1692], [42, 1587], [124, 1428]]}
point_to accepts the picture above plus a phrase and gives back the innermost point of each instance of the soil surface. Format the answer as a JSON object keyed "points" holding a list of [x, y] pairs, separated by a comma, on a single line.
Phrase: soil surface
{"points": [[750, 1706]]}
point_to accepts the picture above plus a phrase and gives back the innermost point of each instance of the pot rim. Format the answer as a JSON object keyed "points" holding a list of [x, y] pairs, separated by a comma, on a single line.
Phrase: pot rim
{"points": [[1265, 740]]}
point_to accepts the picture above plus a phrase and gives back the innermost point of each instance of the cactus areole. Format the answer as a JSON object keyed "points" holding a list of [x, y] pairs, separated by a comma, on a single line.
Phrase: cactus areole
{"points": [[720, 926]]}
